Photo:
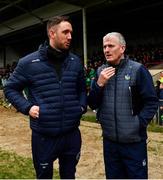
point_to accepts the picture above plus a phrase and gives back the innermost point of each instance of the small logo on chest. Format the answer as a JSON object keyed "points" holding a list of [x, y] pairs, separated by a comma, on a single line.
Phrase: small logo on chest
{"points": [[127, 77], [36, 60]]}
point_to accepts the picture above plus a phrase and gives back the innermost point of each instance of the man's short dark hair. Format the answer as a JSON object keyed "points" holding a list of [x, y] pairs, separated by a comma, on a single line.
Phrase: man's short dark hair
{"points": [[56, 20]]}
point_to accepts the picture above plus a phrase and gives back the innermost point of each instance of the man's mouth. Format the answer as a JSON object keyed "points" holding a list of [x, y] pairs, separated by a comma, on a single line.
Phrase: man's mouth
{"points": [[67, 44], [108, 55]]}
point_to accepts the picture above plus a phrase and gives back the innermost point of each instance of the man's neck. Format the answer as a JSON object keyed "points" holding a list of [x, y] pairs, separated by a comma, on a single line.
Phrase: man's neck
{"points": [[53, 47]]}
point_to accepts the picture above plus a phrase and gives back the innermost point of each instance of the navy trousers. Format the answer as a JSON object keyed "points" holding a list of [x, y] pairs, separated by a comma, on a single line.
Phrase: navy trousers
{"points": [[46, 150], [125, 160]]}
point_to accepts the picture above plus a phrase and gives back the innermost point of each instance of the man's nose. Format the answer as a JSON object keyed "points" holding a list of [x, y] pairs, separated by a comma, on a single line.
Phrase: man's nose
{"points": [[69, 36], [107, 49]]}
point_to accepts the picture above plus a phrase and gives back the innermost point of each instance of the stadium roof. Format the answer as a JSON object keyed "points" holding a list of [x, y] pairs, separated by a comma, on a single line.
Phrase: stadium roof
{"points": [[19, 14]]}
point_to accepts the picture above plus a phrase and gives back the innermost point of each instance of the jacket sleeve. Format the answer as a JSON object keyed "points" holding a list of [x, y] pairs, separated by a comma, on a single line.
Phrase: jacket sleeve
{"points": [[95, 95], [14, 88], [82, 89], [148, 94]]}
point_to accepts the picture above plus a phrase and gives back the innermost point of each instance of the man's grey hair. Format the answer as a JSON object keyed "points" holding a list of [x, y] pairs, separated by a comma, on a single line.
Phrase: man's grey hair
{"points": [[118, 35]]}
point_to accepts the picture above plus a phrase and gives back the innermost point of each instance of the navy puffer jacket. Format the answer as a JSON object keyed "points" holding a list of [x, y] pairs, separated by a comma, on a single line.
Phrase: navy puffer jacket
{"points": [[60, 101], [126, 104]]}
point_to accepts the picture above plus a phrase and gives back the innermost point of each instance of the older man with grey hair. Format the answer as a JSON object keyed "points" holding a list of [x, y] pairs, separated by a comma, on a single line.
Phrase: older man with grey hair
{"points": [[125, 97]]}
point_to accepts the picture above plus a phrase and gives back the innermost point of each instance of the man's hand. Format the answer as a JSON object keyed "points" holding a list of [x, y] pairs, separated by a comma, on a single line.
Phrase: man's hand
{"points": [[34, 111], [105, 75]]}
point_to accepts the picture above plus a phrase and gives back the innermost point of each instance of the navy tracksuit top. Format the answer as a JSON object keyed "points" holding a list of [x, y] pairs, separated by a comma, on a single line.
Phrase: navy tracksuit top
{"points": [[60, 99]]}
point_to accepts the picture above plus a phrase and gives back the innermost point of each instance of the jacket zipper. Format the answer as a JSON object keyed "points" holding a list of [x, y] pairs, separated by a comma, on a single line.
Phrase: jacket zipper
{"points": [[115, 111], [62, 102], [131, 99], [61, 92]]}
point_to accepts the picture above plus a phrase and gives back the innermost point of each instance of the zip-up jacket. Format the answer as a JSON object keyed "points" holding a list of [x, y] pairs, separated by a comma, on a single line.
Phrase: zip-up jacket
{"points": [[61, 100], [126, 104]]}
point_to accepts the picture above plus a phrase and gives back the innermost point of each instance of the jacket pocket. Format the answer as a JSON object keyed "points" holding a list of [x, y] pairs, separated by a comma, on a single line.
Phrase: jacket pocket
{"points": [[135, 128], [42, 114], [130, 131], [135, 100]]}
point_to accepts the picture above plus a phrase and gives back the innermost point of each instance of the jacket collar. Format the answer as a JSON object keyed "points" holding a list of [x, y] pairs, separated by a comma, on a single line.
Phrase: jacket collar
{"points": [[117, 66], [43, 51]]}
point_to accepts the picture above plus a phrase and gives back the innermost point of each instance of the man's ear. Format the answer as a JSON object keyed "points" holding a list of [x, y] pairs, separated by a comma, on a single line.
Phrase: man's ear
{"points": [[123, 48], [51, 33]]}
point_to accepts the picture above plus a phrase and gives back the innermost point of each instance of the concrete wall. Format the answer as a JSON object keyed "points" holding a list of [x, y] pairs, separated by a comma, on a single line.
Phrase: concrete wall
{"points": [[12, 54]]}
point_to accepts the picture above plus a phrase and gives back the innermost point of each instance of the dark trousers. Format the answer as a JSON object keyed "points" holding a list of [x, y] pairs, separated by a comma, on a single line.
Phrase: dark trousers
{"points": [[46, 150], [125, 160]]}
